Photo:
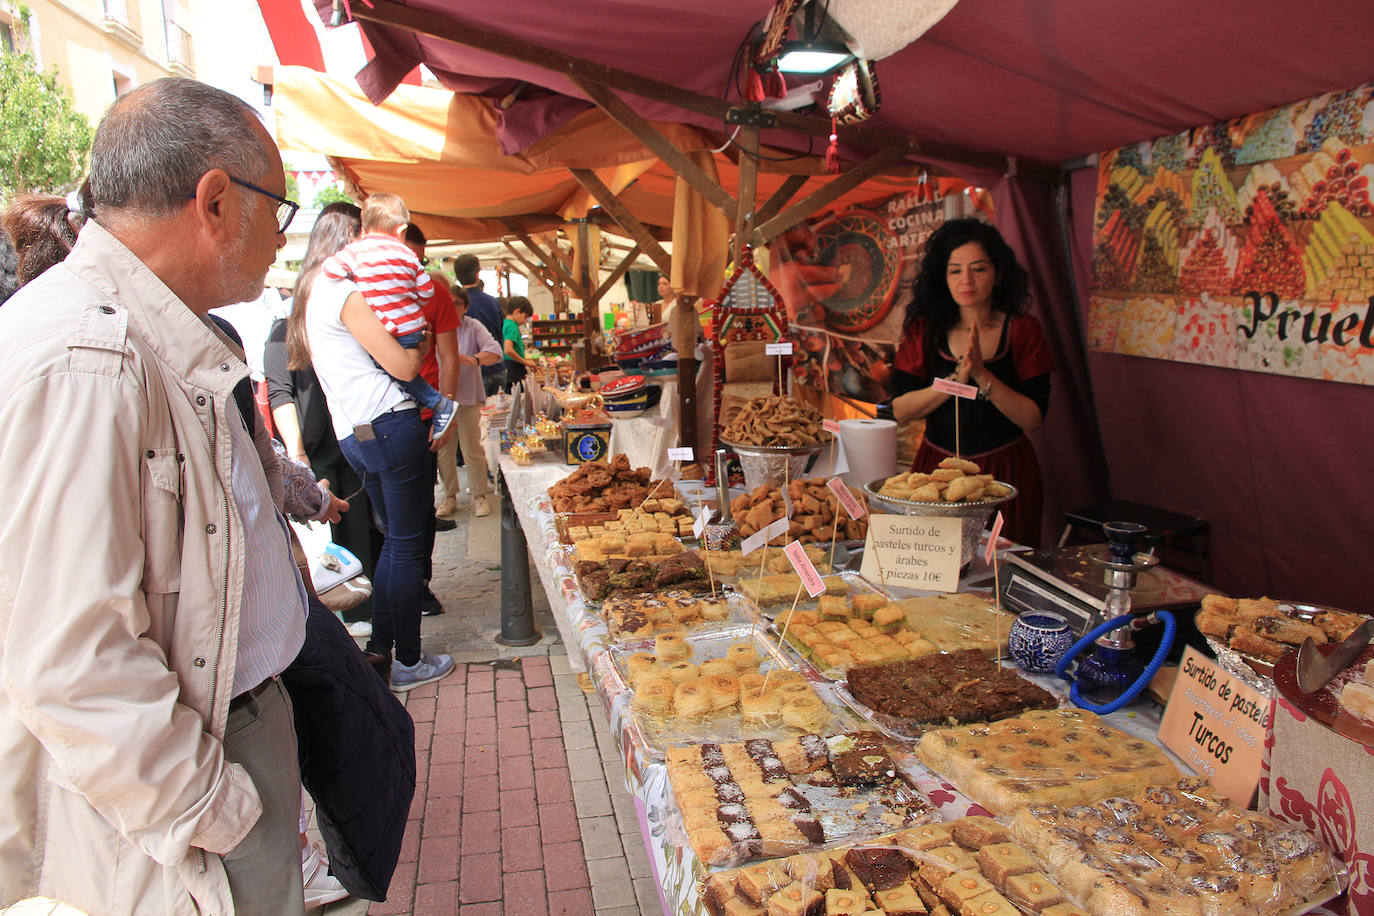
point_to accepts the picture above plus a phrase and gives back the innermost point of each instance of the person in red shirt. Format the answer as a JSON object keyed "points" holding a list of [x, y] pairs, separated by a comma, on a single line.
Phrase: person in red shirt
{"points": [[440, 369]]}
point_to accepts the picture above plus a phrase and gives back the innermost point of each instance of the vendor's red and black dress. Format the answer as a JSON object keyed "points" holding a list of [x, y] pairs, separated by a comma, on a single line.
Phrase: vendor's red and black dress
{"points": [[998, 445]]}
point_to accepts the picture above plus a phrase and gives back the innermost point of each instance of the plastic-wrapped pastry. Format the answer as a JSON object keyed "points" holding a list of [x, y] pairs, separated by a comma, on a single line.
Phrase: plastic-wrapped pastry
{"points": [[654, 696], [641, 665], [681, 672], [718, 666], [723, 690], [672, 646], [691, 700], [743, 656]]}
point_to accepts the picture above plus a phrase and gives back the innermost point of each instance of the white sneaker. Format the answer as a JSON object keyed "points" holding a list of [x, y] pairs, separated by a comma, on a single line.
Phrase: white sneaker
{"points": [[360, 629], [320, 886], [427, 670]]}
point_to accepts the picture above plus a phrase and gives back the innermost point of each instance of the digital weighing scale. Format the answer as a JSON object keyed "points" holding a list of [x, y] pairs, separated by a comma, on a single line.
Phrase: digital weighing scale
{"points": [[1068, 582]]}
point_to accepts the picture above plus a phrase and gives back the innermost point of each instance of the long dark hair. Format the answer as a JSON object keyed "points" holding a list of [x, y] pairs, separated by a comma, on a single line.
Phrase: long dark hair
{"points": [[43, 230], [338, 224], [931, 299]]}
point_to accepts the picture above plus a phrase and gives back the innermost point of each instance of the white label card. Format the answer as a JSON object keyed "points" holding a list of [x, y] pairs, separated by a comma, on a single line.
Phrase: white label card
{"points": [[756, 540], [782, 348], [699, 526], [681, 454], [796, 555], [913, 551]]}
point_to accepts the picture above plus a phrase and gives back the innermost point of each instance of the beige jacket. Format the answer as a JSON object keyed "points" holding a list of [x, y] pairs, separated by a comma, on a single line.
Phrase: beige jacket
{"points": [[121, 575]]}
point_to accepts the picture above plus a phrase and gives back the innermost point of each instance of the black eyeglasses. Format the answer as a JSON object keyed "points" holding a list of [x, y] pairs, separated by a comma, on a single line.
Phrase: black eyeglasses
{"points": [[286, 209]]}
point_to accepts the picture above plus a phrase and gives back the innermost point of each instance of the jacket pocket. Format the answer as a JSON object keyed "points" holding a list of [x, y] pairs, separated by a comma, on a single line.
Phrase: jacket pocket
{"points": [[163, 520]]}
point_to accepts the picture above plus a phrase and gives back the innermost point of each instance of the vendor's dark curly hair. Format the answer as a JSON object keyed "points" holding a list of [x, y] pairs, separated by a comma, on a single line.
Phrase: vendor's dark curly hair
{"points": [[930, 290]]}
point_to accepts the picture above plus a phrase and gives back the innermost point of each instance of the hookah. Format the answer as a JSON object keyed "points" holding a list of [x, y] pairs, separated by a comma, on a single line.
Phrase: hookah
{"points": [[1112, 676]]}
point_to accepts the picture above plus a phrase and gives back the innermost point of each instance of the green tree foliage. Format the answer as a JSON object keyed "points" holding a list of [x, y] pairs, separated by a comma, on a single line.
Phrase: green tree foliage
{"points": [[328, 195], [44, 140], [293, 187]]}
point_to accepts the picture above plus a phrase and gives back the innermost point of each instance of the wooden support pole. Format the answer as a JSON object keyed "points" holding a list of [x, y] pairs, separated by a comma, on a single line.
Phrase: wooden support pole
{"points": [[748, 142], [625, 264], [588, 260], [825, 195], [644, 239], [538, 273], [553, 263], [779, 198], [659, 145]]}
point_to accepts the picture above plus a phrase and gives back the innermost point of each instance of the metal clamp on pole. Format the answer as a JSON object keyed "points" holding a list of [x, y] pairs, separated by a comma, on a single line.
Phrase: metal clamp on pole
{"points": [[517, 612]]}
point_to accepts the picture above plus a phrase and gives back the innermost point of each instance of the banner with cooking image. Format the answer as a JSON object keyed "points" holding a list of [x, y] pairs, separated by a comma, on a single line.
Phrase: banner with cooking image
{"points": [[846, 280], [1246, 244]]}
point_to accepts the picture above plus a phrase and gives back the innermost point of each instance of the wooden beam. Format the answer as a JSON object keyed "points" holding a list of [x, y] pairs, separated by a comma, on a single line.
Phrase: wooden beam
{"points": [[625, 264], [646, 133], [748, 142], [535, 272], [588, 260], [825, 195], [425, 22], [553, 263], [780, 197], [644, 239]]}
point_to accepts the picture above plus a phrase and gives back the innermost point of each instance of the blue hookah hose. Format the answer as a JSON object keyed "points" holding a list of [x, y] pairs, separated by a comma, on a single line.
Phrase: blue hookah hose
{"points": [[1165, 643]]}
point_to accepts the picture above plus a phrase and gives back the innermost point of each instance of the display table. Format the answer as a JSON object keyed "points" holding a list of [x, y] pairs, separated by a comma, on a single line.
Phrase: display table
{"points": [[587, 638]]}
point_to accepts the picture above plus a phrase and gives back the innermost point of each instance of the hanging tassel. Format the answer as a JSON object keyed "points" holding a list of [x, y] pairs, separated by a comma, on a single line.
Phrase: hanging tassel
{"points": [[832, 152], [754, 90], [777, 85]]}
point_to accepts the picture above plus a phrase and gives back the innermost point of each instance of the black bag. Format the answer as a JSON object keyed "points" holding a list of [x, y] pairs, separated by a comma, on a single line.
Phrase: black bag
{"points": [[357, 754]]}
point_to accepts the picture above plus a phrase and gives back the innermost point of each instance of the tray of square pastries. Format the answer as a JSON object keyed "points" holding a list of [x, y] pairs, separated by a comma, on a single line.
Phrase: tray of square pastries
{"points": [[725, 685]]}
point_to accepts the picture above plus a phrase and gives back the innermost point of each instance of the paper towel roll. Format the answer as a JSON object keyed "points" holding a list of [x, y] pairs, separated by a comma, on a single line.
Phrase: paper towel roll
{"points": [[871, 448]]}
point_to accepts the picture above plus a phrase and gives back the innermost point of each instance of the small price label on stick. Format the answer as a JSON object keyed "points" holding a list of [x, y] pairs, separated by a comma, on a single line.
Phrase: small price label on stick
{"points": [[781, 348], [673, 474], [945, 386], [831, 427], [699, 526], [851, 505], [680, 454], [756, 540], [796, 554], [992, 539]]}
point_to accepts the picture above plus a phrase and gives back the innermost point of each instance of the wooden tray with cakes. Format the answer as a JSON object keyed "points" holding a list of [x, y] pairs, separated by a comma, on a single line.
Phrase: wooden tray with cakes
{"points": [[907, 699], [761, 798], [1177, 847], [723, 686], [967, 867], [1057, 756], [1251, 634]]}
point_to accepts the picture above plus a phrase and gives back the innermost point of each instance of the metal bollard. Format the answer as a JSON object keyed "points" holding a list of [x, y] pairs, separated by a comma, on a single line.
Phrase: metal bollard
{"points": [[517, 613]]}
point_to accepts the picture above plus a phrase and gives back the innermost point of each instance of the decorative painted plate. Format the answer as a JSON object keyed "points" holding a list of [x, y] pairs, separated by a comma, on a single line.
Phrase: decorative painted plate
{"points": [[863, 250]]}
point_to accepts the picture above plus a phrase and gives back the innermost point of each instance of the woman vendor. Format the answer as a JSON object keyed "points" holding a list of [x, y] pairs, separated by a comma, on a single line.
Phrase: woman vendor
{"points": [[967, 322]]}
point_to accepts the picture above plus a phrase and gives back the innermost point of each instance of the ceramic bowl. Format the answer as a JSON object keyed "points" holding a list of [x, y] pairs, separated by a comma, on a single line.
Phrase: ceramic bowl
{"points": [[1038, 640]]}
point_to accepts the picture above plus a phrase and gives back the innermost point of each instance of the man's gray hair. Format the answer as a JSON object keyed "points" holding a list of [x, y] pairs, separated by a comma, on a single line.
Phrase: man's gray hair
{"points": [[154, 144]]}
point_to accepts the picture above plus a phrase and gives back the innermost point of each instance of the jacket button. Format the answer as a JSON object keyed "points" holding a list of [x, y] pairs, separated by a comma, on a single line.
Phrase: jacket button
{"points": [[181, 457], [106, 310], [223, 367], [199, 662], [210, 529], [200, 400], [148, 454]]}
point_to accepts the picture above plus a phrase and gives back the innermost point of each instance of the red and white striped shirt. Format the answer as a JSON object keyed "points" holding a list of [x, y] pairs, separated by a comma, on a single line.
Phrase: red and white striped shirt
{"points": [[389, 276]]}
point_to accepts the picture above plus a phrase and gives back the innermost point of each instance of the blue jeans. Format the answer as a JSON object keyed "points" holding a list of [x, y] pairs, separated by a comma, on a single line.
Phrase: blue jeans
{"points": [[399, 479], [420, 391]]}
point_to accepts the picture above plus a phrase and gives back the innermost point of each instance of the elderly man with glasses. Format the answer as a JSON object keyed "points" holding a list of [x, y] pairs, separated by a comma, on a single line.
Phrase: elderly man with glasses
{"points": [[148, 599]]}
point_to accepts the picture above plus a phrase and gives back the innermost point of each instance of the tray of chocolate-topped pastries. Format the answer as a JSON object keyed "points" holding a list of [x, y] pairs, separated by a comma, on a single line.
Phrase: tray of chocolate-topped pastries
{"points": [[967, 867], [759, 798]]}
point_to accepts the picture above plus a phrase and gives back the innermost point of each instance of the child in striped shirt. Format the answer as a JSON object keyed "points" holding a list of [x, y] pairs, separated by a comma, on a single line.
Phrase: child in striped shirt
{"points": [[394, 283]]}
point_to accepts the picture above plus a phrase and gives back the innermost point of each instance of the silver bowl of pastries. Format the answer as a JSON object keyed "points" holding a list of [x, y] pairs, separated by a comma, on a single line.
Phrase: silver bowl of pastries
{"points": [[770, 465], [970, 503]]}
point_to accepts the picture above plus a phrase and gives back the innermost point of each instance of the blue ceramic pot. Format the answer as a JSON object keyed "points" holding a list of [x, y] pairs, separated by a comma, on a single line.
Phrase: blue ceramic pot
{"points": [[1038, 640]]}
